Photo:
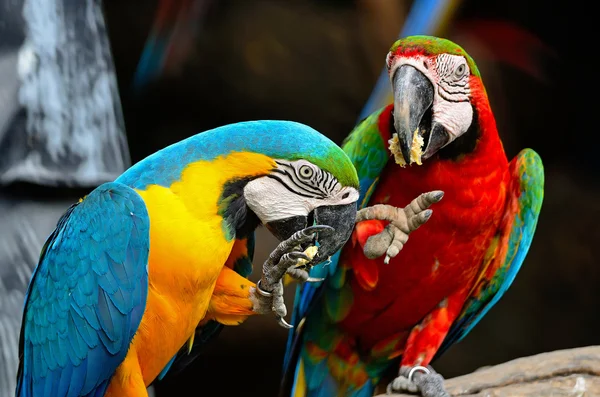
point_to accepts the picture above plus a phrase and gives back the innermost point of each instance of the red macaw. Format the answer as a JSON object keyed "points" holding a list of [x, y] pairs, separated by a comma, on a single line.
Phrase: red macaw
{"points": [[373, 313]]}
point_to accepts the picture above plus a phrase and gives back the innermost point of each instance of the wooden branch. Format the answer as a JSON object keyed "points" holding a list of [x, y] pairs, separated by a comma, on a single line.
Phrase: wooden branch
{"points": [[573, 373]]}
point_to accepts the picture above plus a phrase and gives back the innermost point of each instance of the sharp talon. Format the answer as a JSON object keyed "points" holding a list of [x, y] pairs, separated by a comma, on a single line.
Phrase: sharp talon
{"points": [[387, 260], [415, 369], [427, 215], [300, 267], [314, 279], [261, 291], [318, 229], [299, 255], [284, 323], [437, 195]]}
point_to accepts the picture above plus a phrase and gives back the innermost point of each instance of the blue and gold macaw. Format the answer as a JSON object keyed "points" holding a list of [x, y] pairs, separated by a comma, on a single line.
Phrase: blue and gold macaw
{"points": [[136, 267]]}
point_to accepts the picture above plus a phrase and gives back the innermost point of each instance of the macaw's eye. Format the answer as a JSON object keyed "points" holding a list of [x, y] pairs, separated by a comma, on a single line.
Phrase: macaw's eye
{"points": [[460, 70], [306, 171]]}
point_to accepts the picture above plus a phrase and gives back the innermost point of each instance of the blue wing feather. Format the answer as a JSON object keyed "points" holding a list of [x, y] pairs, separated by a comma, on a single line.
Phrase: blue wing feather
{"points": [[86, 297], [518, 229]]}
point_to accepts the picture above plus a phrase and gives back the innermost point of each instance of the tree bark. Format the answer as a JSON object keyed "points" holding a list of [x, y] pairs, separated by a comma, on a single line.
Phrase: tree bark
{"points": [[573, 373]]}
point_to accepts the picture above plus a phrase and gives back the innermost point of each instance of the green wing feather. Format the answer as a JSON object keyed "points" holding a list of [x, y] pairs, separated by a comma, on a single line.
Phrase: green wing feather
{"points": [[367, 148]]}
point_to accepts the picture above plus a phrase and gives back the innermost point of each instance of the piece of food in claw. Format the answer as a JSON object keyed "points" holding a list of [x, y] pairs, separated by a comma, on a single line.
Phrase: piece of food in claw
{"points": [[302, 263], [416, 149], [310, 252]]}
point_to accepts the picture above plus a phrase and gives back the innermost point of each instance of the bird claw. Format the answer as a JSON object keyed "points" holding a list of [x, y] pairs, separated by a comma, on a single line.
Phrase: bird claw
{"points": [[401, 384], [268, 294], [403, 221], [299, 255], [281, 321], [302, 274], [312, 231], [261, 291], [418, 379]]}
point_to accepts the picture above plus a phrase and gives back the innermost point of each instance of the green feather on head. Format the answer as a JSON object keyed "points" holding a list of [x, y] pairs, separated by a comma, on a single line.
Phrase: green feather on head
{"points": [[429, 45]]}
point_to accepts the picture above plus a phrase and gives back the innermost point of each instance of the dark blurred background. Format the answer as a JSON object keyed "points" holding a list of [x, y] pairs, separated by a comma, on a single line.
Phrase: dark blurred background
{"points": [[316, 62]]}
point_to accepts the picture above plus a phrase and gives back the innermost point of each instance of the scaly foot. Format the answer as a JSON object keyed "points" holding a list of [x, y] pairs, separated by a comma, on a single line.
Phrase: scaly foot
{"points": [[268, 294], [422, 380], [403, 221]]}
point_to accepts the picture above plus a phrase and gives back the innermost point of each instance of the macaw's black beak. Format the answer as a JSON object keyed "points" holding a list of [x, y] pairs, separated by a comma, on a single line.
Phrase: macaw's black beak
{"points": [[413, 105], [340, 217]]}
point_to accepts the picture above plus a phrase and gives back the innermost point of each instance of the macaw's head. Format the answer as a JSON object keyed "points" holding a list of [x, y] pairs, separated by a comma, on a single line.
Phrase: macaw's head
{"points": [[436, 86], [311, 182]]}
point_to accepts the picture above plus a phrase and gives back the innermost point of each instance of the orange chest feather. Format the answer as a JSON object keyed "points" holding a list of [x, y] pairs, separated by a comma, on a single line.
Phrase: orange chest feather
{"points": [[186, 257], [188, 249]]}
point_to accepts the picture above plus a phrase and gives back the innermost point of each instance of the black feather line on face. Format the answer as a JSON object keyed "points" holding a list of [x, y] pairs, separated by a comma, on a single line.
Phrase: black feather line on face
{"points": [[240, 219], [464, 144]]}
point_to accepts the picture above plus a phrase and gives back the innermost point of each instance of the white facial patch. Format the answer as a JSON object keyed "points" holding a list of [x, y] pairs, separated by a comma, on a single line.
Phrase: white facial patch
{"points": [[270, 200], [295, 189], [456, 117]]}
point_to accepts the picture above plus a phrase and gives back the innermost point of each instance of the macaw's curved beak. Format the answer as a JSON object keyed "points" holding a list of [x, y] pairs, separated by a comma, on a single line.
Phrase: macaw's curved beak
{"points": [[413, 113], [340, 217]]}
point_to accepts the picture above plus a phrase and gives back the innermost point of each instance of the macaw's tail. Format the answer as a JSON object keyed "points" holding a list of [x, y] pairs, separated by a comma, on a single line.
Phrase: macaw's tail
{"points": [[321, 363], [509, 44], [170, 40], [307, 378]]}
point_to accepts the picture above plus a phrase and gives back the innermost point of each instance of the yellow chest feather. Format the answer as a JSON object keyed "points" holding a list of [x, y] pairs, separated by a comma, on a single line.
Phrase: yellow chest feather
{"points": [[188, 249]]}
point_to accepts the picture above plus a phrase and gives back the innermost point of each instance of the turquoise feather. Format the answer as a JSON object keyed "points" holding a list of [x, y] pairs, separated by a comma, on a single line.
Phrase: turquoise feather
{"points": [[87, 296], [266, 136]]}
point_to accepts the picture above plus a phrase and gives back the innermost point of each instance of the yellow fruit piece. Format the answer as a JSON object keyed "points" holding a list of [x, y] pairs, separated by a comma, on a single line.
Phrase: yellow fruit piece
{"points": [[310, 252], [416, 149]]}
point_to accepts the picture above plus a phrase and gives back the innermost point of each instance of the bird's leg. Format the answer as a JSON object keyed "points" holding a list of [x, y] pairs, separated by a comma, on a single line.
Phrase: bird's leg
{"points": [[425, 339], [403, 221], [418, 379], [268, 293]]}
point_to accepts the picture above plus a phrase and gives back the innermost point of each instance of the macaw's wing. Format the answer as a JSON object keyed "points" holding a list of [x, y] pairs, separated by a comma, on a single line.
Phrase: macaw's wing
{"points": [[367, 148], [508, 248], [240, 261], [86, 297]]}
